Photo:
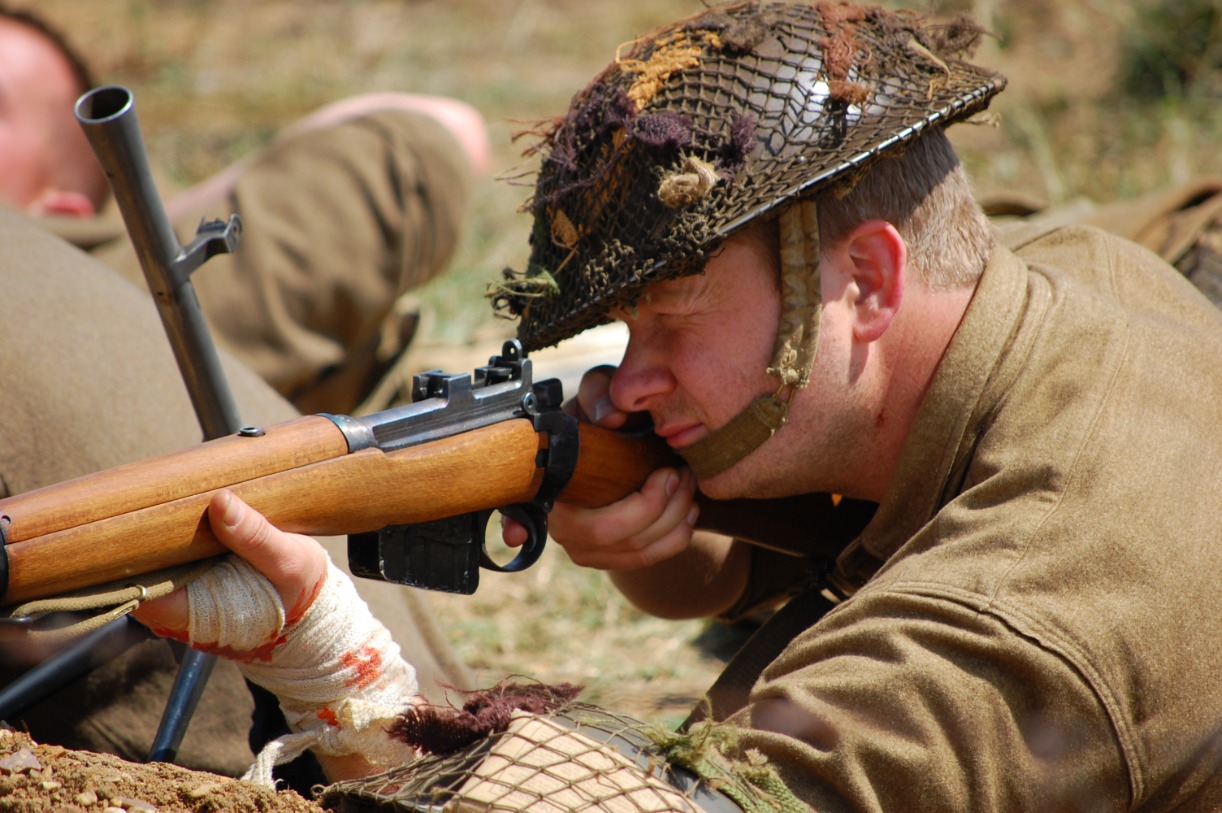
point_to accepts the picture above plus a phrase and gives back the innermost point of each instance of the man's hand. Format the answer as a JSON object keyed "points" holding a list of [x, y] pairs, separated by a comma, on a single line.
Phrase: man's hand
{"points": [[641, 530], [338, 675], [294, 564]]}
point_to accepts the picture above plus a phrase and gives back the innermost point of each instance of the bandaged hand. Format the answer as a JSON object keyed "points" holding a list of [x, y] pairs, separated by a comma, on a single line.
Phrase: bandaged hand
{"points": [[294, 625]]}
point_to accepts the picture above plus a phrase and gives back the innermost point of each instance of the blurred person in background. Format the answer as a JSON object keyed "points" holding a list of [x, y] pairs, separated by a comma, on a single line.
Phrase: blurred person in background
{"points": [[344, 213]]}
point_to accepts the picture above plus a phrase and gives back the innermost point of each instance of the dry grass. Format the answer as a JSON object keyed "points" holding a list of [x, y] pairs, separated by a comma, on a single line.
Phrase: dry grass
{"points": [[215, 78]]}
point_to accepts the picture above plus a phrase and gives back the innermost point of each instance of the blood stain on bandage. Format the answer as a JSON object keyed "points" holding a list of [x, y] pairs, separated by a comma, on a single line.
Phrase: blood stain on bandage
{"points": [[366, 663], [262, 652], [303, 602], [328, 716], [182, 636]]}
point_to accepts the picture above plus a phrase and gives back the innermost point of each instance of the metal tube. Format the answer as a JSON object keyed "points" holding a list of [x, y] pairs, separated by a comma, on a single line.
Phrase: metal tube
{"points": [[108, 117], [69, 664], [189, 683]]}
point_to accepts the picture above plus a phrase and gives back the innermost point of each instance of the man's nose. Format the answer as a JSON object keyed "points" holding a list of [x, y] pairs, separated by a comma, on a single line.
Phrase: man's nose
{"points": [[641, 379]]}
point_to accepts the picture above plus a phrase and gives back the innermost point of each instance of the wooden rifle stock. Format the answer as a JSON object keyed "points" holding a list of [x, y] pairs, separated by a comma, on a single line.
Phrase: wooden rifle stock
{"points": [[151, 514]]}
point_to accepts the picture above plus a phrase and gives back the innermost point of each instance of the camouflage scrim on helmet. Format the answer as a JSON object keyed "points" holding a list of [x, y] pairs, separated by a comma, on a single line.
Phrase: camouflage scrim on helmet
{"points": [[703, 125]]}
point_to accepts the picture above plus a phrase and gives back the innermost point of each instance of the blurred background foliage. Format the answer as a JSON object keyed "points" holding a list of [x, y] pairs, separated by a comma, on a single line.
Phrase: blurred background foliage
{"points": [[1173, 51], [1106, 100]]}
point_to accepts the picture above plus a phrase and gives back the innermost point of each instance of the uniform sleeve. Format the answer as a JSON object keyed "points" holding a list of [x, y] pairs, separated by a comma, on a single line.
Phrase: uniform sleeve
{"points": [[904, 701]]}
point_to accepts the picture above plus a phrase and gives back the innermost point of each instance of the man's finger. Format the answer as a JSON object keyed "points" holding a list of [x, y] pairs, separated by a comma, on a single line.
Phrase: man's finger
{"points": [[627, 533], [294, 564], [593, 401]]}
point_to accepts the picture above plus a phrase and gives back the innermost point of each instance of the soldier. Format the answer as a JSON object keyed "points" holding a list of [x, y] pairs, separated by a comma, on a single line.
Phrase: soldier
{"points": [[90, 384]]}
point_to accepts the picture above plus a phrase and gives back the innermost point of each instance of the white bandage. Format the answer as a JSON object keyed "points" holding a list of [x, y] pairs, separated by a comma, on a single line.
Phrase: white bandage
{"points": [[233, 610], [337, 673]]}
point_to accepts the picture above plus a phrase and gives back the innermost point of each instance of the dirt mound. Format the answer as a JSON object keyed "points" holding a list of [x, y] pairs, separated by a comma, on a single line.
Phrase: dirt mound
{"points": [[38, 778]]}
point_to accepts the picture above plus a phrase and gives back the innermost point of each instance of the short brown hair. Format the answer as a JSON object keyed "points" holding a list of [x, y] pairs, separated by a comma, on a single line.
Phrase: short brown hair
{"points": [[925, 193]]}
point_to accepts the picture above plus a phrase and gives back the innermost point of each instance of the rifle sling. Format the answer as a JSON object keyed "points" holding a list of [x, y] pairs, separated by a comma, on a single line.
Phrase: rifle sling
{"points": [[729, 692], [107, 601]]}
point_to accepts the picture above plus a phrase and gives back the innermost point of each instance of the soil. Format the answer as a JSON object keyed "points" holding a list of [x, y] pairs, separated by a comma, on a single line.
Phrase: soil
{"points": [[37, 778]]}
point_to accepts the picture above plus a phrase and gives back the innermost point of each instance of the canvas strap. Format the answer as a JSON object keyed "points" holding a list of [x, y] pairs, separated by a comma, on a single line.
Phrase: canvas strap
{"points": [[98, 606], [730, 691], [824, 590], [793, 355], [721, 449]]}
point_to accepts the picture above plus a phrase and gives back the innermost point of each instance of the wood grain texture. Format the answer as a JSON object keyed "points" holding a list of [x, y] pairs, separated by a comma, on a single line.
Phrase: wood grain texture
{"points": [[483, 468], [151, 514], [206, 467]]}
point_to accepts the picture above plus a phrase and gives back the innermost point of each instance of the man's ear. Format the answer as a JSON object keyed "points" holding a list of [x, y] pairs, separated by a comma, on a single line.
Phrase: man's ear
{"points": [[878, 262], [62, 202]]}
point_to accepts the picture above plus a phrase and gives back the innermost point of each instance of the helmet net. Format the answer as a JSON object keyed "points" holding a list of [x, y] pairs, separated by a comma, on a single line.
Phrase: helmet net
{"points": [[701, 126]]}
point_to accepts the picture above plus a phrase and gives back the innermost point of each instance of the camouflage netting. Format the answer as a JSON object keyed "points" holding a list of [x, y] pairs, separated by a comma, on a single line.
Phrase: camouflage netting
{"points": [[531, 749], [701, 126]]}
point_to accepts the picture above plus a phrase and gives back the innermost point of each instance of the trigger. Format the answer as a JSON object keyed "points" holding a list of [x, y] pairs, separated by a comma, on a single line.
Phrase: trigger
{"points": [[534, 520]]}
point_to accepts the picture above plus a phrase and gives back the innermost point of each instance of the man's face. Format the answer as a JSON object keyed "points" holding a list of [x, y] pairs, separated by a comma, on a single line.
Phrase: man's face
{"points": [[37, 92], [698, 349]]}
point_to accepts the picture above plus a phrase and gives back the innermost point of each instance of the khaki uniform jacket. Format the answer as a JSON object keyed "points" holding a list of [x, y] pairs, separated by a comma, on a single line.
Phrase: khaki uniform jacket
{"points": [[1044, 630], [337, 223], [89, 382]]}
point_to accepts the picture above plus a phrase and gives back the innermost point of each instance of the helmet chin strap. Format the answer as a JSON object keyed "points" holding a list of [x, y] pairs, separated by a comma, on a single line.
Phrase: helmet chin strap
{"points": [[793, 355]]}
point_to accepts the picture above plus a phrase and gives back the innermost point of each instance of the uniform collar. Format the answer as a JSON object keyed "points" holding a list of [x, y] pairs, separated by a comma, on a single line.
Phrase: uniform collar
{"points": [[86, 233]]}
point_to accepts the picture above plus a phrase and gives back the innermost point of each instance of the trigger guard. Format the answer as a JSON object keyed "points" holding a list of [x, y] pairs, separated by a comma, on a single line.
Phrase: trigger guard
{"points": [[534, 519]]}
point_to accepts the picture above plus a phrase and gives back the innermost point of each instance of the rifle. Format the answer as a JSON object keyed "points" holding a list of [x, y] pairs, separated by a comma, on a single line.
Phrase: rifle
{"points": [[413, 487]]}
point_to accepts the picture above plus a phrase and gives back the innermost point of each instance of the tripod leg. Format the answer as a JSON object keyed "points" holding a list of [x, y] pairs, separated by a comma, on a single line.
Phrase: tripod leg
{"points": [[189, 685]]}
